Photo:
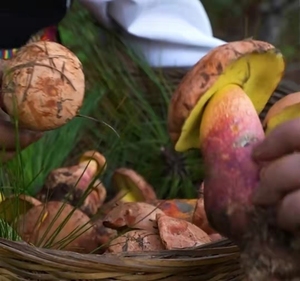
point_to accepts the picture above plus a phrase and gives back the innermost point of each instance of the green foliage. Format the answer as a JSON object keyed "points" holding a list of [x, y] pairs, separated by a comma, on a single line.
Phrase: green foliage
{"points": [[135, 104]]}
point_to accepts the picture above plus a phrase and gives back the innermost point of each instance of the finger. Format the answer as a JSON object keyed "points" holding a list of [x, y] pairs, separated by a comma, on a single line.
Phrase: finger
{"points": [[277, 179], [9, 139], [288, 216], [283, 140]]}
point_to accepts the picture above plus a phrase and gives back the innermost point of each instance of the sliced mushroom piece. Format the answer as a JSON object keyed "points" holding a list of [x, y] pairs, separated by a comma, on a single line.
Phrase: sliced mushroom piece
{"points": [[75, 185], [132, 215], [179, 234], [15, 206], [131, 187], [177, 208], [57, 225], [136, 241]]}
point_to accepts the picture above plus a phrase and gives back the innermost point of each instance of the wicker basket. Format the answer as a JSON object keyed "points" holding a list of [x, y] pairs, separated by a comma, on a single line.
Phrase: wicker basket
{"points": [[213, 262]]}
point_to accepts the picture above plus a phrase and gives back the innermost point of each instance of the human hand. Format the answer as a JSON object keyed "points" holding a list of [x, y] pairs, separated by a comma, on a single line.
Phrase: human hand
{"points": [[9, 138], [279, 183]]}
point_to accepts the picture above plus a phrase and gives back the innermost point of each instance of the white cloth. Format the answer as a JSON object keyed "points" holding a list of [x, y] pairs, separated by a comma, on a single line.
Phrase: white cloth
{"points": [[168, 33]]}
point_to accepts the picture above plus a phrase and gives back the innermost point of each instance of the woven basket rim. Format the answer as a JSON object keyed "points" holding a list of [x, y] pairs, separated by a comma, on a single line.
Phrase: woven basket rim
{"points": [[21, 260]]}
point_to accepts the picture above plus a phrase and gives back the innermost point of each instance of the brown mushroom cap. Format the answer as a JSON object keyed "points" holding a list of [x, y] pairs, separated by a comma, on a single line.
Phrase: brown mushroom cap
{"points": [[136, 241], [242, 63], [43, 86], [134, 187], [179, 234], [132, 215], [53, 220], [94, 156], [73, 184], [15, 206]]}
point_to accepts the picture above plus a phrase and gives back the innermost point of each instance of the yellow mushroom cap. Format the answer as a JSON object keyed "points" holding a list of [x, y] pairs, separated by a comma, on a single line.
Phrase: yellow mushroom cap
{"points": [[255, 66], [133, 186], [43, 86]]}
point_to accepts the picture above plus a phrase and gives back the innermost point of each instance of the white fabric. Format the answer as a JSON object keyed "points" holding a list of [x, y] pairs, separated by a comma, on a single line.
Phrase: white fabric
{"points": [[168, 33]]}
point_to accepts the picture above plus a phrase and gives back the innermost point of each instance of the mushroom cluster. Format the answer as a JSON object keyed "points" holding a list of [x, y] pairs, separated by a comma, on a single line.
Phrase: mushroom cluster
{"points": [[70, 212], [144, 227]]}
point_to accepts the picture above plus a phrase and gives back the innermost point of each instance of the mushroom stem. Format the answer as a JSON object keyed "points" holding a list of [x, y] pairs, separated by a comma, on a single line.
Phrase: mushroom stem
{"points": [[229, 129]]}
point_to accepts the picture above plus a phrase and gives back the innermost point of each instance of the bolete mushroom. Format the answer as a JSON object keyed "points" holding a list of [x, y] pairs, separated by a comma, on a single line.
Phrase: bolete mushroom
{"points": [[132, 215], [215, 108], [179, 234], [57, 225], [136, 241], [15, 206], [177, 208], [75, 184], [283, 110], [43, 86], [131, 187]]}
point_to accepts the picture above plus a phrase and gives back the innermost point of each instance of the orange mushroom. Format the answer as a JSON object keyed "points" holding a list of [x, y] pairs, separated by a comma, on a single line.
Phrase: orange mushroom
{"points": [[43, 86], [15, 206], [179, 234], [131, 187], [73, 184], [136, 241], [132, 215], [58, 225]]}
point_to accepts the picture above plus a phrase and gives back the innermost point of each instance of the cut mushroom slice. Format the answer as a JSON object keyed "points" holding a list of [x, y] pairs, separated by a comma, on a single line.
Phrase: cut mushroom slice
{"points": [[132, 215], [136, 241], [177, 208], [180, 234]]}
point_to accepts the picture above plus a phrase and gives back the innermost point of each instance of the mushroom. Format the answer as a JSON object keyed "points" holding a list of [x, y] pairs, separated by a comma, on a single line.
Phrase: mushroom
{"points": [[283, 110], [73, 184], [15, 206], [177, 208], [57, 225], [136, 241], [215, 109], [104, 235], [200, 218], [132, 215], [43, 86], [131, 187], [179, 234]]}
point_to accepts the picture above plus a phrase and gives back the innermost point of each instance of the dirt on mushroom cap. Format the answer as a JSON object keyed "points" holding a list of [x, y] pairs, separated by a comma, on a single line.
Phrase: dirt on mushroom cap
{"points": [[255, 66], [134, 186], [74, 185], [44, 84]]}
